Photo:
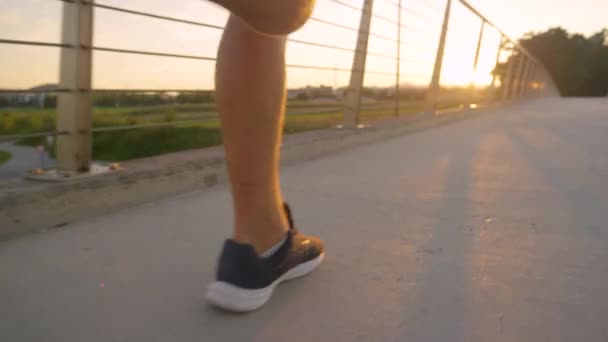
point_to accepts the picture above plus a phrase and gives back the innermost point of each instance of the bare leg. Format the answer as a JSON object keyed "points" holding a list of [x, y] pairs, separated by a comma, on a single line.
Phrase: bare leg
{"points": [[250, 87]]}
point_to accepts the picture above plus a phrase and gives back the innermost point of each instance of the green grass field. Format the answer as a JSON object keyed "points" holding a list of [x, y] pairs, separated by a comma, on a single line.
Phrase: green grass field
{"points": [[24, 120], [4, 157], [198, 125]]}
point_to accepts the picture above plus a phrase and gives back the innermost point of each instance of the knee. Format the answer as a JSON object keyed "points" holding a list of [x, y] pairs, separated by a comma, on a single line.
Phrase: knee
{"points": [[286, 17], [275, 17]]}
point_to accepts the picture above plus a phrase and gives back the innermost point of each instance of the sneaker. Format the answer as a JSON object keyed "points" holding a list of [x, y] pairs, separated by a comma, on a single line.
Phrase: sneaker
{"points": [[245, 281]]}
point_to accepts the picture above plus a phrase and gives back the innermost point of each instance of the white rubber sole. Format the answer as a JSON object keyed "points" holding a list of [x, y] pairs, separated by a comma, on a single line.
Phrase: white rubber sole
{"points": [[233, 298]]}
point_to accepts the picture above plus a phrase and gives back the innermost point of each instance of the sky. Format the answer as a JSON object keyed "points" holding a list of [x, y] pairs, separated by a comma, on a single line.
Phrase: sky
{"points": [[40, 20]]}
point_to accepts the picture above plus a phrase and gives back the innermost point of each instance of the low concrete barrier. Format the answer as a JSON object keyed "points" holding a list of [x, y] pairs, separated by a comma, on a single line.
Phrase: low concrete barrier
{"points": [[28, 206]]}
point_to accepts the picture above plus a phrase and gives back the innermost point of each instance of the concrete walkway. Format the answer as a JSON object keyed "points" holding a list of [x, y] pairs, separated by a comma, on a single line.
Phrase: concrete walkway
{"points": [[491, 229]]}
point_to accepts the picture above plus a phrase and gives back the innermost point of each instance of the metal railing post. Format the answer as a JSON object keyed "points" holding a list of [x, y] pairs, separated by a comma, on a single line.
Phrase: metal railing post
{"points": [[508, 78], [543, 84], [524, 73], [539, 80], [475, 64], [75, 106], [537, 72], [525, 78], [498, 53], [434, 87], [353, 96], [397, 86], [522, 78], [532, 78], [517, 76]]}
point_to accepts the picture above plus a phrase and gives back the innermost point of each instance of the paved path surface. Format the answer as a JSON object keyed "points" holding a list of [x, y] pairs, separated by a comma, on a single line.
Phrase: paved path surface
{"points": [[23, 159], [492, 229]]}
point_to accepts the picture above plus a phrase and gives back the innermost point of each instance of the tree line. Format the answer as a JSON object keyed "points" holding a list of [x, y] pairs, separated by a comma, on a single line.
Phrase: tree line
{"points": [[119, 99], [577, 64]]}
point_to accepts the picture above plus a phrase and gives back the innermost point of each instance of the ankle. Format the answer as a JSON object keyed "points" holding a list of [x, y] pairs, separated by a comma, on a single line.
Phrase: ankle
{"points": [[260, 239], [261, 230]]}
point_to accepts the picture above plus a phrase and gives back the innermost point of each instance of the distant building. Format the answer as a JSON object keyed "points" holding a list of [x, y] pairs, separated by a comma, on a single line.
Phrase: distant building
{"points": [[36, 97], [293, 94], [18, 98], [321, 91], [341, 92], [312, 93]]}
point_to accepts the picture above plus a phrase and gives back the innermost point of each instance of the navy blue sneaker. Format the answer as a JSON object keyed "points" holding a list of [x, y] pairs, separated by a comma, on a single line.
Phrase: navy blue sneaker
{"points": [[245, 281]]}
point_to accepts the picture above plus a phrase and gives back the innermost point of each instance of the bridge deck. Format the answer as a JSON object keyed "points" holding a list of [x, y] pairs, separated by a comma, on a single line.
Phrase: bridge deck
{"points": [[491, 229]]}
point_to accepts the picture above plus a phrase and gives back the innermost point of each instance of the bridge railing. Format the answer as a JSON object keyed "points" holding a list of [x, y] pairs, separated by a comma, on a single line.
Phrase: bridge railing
{"points": [[399, 47]]}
